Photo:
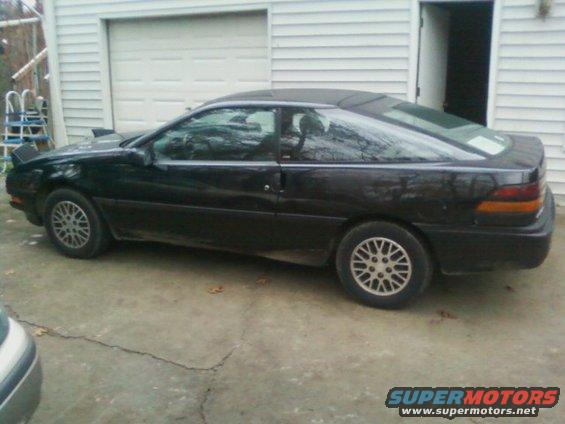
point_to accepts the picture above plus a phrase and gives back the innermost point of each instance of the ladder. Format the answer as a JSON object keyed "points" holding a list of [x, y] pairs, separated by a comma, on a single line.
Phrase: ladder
{"points": [[25, 121]]}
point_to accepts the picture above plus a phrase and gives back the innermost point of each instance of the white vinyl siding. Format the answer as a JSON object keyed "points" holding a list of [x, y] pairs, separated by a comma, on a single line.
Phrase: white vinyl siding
{"points": [[530, 89], [359, 44], [356, 44]]}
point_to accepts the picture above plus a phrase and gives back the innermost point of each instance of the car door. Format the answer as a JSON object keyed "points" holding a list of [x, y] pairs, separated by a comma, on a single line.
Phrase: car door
{"points": [[214, 181]]}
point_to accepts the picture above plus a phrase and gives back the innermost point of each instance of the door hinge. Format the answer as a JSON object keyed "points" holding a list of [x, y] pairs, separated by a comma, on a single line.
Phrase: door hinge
{"points": [[418, 91], [421, 22]]}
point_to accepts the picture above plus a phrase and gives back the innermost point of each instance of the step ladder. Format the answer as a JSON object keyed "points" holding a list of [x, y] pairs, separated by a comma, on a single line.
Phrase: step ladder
{"points": [[25, 121]]}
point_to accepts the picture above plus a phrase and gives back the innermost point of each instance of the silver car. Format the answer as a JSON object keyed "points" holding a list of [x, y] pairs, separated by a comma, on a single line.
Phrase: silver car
{"points": [[20, 372]]}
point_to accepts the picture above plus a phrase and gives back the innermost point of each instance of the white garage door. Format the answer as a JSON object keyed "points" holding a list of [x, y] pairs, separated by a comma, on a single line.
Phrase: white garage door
{"points": [[161, 66]]}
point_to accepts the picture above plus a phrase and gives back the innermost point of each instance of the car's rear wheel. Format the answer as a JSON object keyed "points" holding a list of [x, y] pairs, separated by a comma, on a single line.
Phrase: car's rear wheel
{"points": [[74, 225], [383, 264]]}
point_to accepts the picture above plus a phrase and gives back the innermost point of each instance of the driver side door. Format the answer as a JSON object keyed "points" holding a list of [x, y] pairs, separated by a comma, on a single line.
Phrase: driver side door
{"points": [[215, 181]]}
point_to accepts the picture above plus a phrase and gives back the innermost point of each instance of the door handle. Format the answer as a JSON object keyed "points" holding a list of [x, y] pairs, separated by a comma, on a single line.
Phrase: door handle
{"points": [[281, 182]]}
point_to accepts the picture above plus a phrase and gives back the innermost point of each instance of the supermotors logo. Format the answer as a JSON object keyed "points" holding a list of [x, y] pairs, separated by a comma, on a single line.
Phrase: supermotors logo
{"points": [[452, 402]]}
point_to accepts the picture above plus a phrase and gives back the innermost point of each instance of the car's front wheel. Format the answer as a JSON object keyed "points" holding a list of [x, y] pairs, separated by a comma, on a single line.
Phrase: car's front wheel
{"points": [[383, 264], [74, 225]]}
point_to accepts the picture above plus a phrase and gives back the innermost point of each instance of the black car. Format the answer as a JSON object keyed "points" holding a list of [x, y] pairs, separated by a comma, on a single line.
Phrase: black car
{"points": [[388, 190]]}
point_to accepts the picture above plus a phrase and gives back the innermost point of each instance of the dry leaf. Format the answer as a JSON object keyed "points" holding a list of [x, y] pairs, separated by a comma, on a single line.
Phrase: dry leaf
{"points": [[446, 314], [9, 272], [509, 288], [216, 290], [40, 331], [262, 280], [9, 221]]}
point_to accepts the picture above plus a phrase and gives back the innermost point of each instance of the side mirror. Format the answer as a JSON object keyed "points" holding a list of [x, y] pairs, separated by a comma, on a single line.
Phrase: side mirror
{"points": [[140, 157]]}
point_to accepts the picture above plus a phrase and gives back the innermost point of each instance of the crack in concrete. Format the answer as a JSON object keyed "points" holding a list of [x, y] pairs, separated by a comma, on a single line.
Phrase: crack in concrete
{"points": [[202, 406], [208, 392], [54, 333], [214, 369]]}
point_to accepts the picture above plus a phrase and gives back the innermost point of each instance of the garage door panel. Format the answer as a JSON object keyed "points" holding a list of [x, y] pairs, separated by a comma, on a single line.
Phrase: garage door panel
{"points": [[128, 71], [200, 43], [167, 108], [130, 109], [161, 66]]}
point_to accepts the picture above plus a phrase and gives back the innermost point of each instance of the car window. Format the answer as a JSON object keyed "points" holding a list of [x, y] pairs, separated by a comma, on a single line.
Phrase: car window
{"points": [[452, 127], [336, 135], [221, 134]]}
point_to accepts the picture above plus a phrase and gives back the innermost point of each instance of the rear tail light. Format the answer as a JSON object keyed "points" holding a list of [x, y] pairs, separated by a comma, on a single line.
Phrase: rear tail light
{"points": [[522, 198]]}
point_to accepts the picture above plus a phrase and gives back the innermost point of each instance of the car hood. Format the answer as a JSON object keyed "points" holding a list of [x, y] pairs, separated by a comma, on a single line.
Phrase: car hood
{"points": [[95, 144], [88, 146]]}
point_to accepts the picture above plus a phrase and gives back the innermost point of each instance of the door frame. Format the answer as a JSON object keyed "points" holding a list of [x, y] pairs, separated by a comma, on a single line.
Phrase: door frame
{"points": [[105, 19], [414, 58]]}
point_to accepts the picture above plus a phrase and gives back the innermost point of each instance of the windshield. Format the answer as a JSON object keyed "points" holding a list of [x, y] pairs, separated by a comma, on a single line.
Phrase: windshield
{"points": [[450, 127]]}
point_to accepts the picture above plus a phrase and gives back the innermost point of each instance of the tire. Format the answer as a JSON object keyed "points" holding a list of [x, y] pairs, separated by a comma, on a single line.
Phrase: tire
{"points": [[367, 275], [85, 235]]}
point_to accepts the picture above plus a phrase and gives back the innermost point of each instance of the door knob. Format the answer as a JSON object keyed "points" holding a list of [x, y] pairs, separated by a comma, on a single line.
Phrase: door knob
{"points": [[267, 187]]}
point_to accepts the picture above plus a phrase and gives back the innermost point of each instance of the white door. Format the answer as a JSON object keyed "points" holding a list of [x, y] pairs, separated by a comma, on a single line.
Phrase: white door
{"points": [[159, 67], [432, 65]]}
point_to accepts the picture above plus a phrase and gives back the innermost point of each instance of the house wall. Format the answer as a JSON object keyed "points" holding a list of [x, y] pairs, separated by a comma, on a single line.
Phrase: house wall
{"points": [[359, 44], [530, 80]]}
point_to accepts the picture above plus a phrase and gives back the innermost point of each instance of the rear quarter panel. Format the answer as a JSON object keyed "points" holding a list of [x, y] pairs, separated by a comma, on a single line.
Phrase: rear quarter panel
{"points": [[319, 199]]}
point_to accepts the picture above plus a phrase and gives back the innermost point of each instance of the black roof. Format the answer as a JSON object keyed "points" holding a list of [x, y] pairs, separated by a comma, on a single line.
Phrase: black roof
{"points": [[346, 99]]}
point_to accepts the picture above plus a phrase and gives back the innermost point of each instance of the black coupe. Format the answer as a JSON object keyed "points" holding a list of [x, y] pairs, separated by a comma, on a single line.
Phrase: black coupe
{"points": [[385, 189]]}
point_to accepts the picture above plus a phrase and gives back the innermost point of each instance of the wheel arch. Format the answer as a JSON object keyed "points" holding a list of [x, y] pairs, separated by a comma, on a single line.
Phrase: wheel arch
{"points": [[363, 219], [49, 186]]}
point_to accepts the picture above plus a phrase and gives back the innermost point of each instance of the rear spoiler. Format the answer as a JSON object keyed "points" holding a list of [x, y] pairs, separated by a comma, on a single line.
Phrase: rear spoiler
{"points": [[24, 153]]}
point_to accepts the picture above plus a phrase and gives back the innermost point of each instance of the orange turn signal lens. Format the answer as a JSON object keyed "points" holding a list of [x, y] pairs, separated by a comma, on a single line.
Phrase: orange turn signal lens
{"points": [[490, 206], [16, 200]]}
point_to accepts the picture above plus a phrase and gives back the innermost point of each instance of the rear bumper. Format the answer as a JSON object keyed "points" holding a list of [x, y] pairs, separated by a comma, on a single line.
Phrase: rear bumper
{"points": [[460, 250], [20, 376]]}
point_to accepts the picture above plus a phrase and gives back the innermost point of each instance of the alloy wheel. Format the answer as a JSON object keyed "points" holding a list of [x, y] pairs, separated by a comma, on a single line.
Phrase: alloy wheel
{"points": [[381, 266], [70, 224]]}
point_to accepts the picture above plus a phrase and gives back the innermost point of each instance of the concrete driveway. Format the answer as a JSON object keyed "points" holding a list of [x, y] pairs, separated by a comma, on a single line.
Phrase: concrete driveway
{"points": [[135, 336]]}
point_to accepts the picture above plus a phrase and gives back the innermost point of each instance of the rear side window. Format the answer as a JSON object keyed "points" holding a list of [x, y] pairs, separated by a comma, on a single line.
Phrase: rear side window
{"points": [[453, 128], [336, 135]]}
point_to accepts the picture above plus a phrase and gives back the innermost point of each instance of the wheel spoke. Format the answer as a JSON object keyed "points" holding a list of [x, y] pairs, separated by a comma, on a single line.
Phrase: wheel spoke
{"points": [[379, 287]]}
